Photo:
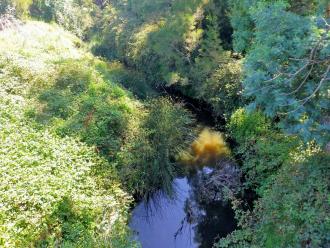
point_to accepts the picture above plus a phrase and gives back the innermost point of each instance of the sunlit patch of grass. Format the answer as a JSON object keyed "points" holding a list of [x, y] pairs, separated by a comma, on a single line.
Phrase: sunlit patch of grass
{"points": [[36, 45]]}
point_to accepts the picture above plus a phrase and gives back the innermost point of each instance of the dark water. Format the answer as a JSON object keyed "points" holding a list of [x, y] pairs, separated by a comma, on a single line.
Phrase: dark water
{"points": [[182, 222]]}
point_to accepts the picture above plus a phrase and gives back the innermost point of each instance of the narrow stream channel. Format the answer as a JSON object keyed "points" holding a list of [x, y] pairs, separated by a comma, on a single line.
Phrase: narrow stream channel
{"points": [[184, 221], [181, 222]]}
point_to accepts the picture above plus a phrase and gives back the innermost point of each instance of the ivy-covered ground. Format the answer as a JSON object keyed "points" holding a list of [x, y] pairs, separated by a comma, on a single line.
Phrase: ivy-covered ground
{"points": [[54, 189]]}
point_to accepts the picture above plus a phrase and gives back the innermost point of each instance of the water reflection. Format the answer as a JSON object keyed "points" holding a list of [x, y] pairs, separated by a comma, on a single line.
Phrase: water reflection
{"points": [[183, 222]]}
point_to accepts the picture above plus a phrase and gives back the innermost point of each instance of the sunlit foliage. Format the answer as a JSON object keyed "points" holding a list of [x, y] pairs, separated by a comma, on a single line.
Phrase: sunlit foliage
{"points": [[69, 95], [263, 148], [286, 71], [293, 211], [54, 190], [180, 44], [21, 7], [149, 156], [76, 130], [77, 95], [73, 15]]}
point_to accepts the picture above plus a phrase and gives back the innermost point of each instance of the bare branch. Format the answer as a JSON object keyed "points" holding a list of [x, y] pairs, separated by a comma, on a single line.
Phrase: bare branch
{"points": [[311, 61], [305, 100], [302, 83]]}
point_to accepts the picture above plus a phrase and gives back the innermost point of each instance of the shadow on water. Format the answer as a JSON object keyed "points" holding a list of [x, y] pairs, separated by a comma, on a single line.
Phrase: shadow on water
{"points": [[183, 221], [187, 220]]}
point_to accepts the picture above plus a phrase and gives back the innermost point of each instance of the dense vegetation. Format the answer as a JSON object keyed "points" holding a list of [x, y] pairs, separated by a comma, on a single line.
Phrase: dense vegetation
{"points": [[54, 190], [77, 129]]}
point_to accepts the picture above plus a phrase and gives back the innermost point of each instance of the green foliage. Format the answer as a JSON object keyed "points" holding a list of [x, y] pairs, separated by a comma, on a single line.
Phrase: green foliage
{"points": [[242, 18], [132, 80], [215, 76], [73, 15], [178, 44], [75, 94], [42, 9], [3, 7], [50, 191], [281, 81], [264, 158], [293, 211], [263, 149], [244, 126], [162, 134], [223, 89], [242, 24], [280, 76], [21, 7], [291, 180], [80, 102], [300, 215], [55, 189], [167, 126]]}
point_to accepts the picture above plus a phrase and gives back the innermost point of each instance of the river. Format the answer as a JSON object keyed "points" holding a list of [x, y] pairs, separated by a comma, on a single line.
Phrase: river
{"points": [[181, 221]]}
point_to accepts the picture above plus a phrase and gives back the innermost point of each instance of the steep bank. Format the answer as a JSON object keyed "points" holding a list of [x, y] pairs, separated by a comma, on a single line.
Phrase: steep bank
{"points": [[61, 91], [54, 190]]}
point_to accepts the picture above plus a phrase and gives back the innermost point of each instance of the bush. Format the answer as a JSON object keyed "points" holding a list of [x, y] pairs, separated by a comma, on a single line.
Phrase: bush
{"points": [[82, 103], [278, 69], [291, 179], [263, 149], [143, 141], [78, 97], [222, 90], [73, 15], [163, 133], [21, 7], [247, 127], [51, 189], [293, 211], [132, 80]]}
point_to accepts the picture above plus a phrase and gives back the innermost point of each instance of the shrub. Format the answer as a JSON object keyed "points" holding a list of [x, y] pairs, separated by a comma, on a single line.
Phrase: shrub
{"points": [[132, 80], [73, 15], [77, 96], [178, 44], [82, 103], [162, 134], [280, 77], [222, 89], [21, 7], [244, 126], [293, 211], [50, 191], [263, 149]]}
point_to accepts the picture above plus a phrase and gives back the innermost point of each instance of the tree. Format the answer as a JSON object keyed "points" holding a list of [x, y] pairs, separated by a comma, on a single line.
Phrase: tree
{"points": [[287, 69]]}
